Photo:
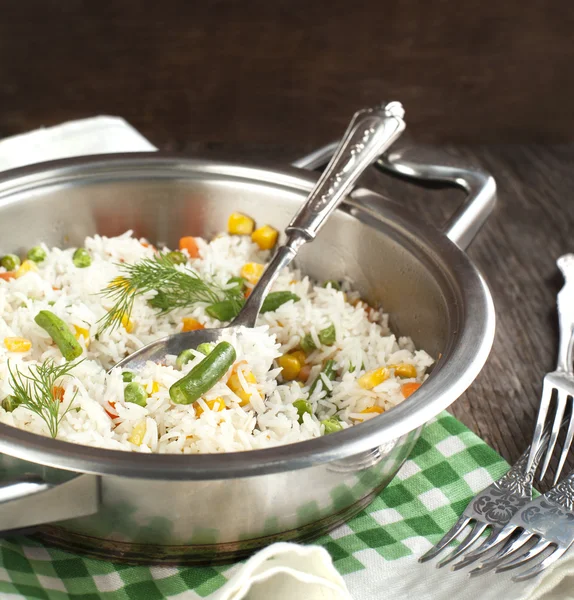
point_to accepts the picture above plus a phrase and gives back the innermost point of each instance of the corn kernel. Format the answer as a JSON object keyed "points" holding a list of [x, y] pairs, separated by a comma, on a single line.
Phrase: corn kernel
{"points": [[26, 267], [235, 385], [290, 366], [190, 324], [300, 356], [239, 224], [409, 388], [138, 433], [404, 370], [17, 344], [216, 405], [81, 332], [373, 409], [154, 388], [265, 237], [252, 272], [372, 379], [127, 323]]}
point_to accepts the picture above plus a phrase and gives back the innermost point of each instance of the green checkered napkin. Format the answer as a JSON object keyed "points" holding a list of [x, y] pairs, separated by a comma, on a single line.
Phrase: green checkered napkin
{"points": [[448, 466]]}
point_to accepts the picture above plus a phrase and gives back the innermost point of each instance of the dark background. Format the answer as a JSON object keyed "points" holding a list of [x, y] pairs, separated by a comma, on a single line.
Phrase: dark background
{"points": [[290, 72], [271, 80]]}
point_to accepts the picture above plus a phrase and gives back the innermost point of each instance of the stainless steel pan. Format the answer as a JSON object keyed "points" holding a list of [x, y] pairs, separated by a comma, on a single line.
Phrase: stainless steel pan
{"points": [[191, 509]]}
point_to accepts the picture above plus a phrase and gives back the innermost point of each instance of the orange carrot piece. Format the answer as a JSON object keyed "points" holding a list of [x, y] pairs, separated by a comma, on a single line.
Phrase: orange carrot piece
{"points": [[410, 388], [188, 243], [7, 276]]}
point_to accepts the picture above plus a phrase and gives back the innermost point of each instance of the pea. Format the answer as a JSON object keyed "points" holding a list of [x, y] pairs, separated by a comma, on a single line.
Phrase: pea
{"points": [[176, 257], [332, 425], [303, 406], [334, 284], [37, 254], [81, 258], [10, 403], [184, 357], [135, 392], [128, 376], [10, 262], [205, 348]]}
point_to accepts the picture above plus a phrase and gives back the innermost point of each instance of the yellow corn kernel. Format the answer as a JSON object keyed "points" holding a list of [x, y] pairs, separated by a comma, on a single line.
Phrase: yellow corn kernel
{"points": [[404, 370], [239, 224], [191, 324], [373, 409], [81, 332], [127, 323], [265, 237], [17, 344], [290, 366], [300, 356], [217, 405], [26, 267], [138, 433], [252, 272], [235, 385], [372, 379], [154, 388]]}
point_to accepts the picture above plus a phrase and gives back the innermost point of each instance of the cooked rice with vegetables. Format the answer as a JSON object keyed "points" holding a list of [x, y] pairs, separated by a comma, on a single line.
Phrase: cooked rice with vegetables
{"points": [[320, 359]]}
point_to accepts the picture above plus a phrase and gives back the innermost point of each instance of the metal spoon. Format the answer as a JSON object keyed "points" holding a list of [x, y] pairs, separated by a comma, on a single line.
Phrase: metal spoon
{"points": [[369, 134]]}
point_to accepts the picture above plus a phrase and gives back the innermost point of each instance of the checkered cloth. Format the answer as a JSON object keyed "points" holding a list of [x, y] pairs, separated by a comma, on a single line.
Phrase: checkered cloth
{"points": [[447, 467]]}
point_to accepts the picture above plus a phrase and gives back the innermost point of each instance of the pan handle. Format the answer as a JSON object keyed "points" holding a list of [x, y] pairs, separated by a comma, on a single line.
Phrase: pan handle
{"points": [[28, 500], [427, 163]]}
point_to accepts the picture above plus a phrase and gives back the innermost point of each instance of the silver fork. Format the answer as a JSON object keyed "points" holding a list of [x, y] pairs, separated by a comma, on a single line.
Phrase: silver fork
{"points": [[492, 508], [544, 530], [560, 381]]}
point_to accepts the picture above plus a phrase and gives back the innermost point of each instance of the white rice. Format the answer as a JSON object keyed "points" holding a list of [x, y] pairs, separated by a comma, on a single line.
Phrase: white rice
{"points": [[363, 341]]}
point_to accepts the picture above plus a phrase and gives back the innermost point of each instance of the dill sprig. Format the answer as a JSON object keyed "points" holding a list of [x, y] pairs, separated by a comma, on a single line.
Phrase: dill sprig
{"points": [[174, 289], [35, 391]]}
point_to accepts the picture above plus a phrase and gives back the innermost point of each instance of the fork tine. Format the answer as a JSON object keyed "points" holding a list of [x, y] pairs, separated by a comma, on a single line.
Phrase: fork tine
{"points": [[489, 543], [533, 552], [543, 564], [446, 539], [475, 533], [560, 408], [511, 546], [565, 447], [540, 421]]}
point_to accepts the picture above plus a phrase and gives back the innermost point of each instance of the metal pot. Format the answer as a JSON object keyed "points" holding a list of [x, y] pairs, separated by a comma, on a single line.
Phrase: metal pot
{"points": [[190, 509]]}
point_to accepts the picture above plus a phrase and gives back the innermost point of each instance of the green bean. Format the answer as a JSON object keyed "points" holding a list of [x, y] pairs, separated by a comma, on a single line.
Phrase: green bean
{"points": [[332, 424], [204, 375], [329, 372], [275, 299], [136, 393], [127, 376], [303, 406], [184, 357], [10, 403], [238, 283], [205, 348], [176, 257], [227, 309], [60, 333], [37, 254], [327, 337], [10, 262], [351, 368], [334, 284], [81, 258]]}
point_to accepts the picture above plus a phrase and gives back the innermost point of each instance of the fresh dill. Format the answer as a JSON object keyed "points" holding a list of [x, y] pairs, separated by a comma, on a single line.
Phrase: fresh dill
{"points": [[174, 288], [36, 391]]}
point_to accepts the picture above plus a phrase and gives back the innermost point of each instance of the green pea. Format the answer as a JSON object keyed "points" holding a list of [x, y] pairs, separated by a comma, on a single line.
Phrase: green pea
{"points": [[128, 376], [205, 348], [303, 406], [51, 302], [10, 262], [37, 254], [135, 392], [184, 357], [177, 257], [332, 425], [334, 284], [81, 258], [10, 403]]}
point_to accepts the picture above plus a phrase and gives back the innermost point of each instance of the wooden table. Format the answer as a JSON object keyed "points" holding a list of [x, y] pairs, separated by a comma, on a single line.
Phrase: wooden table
{"points": [[531, 227]]}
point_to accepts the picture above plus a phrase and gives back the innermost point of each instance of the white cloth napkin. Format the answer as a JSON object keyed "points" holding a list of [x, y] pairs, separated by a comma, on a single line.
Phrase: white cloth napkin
{"points": [[285, 571]]}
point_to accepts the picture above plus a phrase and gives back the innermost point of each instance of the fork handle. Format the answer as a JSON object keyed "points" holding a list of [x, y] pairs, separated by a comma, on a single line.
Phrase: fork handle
{"points": [[566, 315]]}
